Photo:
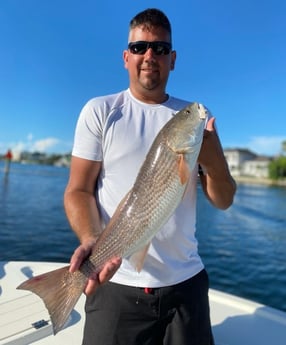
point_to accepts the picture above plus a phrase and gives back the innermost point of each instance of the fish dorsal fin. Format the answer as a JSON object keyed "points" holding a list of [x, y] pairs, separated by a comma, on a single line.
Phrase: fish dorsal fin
{"points": [[183, 169], [137, 259]]}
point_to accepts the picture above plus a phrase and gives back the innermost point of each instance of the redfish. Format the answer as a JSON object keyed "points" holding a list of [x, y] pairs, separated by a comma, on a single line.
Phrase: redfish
{"points": [[156, 193]]}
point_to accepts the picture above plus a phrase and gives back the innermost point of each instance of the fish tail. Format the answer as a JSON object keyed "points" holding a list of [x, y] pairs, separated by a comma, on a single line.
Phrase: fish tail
{"points": [[60, 291]]}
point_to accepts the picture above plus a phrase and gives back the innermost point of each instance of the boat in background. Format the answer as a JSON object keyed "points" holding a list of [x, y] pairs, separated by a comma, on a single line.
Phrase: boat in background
{"points": [[25, 320]]}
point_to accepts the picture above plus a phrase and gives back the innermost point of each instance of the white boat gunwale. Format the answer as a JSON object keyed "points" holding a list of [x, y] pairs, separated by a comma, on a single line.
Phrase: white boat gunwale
{"points": [[235, 320]]}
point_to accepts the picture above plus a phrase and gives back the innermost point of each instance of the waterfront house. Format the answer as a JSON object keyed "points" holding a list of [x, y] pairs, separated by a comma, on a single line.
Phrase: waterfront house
{"points": [[243, 162]]}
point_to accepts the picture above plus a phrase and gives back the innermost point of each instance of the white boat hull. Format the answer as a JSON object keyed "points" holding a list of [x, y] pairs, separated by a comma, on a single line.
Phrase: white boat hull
{"points": [[25, 320]]}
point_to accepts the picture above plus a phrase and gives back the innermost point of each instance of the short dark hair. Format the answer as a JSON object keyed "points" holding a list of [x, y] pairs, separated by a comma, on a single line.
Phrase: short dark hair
{"points": [[151, 17]]}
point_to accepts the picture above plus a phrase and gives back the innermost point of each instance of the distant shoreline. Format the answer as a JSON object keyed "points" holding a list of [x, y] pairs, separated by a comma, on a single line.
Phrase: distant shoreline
{"points": [[259, 181]]}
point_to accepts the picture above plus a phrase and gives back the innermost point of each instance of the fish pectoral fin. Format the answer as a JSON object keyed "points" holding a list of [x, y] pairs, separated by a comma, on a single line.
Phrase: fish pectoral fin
{"points": [[183, 169], [137, 259]]}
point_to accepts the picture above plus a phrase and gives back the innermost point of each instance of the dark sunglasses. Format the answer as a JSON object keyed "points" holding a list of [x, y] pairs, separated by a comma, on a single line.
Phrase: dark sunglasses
{"points": [[158, 47]]}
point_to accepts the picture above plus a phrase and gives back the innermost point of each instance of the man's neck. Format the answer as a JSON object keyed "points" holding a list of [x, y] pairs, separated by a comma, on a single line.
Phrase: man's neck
{"points": [[150, 97]]}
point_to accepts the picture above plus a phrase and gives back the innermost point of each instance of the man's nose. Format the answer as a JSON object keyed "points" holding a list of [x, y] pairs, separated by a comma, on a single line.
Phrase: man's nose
{"points": [[149, 54]]}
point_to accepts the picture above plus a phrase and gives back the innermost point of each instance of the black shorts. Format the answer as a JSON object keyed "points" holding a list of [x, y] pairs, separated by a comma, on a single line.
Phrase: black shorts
{"points": [[175, 315]]}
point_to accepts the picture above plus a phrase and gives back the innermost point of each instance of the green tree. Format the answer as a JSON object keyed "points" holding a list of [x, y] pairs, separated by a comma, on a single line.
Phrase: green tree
{"points": [[277, 168], [283, 145]]}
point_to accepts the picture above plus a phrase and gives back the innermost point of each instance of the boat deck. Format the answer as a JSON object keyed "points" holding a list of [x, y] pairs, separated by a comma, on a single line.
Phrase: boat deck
{"points": [[25, 320]]}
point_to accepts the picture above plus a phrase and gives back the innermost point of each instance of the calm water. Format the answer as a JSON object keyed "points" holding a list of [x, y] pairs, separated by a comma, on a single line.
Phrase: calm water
{"points": [[244, 248]]}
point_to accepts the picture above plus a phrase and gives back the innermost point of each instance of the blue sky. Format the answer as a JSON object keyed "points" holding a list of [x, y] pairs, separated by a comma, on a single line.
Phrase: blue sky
{"points": [[57, 54]]}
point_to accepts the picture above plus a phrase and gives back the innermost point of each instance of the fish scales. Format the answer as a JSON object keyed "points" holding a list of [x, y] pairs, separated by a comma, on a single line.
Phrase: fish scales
{"points": [[157, 191]]}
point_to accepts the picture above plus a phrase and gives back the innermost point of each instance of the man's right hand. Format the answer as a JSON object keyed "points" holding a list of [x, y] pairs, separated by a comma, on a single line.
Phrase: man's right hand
{"points": [[107, 272]]}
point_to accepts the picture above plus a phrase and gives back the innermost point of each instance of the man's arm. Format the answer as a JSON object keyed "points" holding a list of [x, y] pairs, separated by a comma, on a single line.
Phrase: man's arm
{"points": [[217, 183], [83, 216]]}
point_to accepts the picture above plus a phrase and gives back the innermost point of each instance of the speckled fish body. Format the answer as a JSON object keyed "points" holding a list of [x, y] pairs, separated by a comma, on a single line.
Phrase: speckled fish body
{"points": [[157, 191]]}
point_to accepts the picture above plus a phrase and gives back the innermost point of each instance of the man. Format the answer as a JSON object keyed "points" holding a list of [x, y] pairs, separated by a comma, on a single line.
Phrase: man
{"points": [[167, 302]]}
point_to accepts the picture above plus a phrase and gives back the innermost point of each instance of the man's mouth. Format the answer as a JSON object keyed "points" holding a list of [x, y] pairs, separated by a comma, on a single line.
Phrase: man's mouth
{"points": [[149, 70]]}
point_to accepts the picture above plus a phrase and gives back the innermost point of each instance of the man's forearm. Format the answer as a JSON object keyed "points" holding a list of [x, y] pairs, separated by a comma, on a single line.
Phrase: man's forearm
{"points": [[83, 215], [218, 184], [220, 192]]}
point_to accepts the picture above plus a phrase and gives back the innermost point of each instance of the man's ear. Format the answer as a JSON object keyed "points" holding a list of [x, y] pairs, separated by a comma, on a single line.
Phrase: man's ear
{"points": [[125, 58]]}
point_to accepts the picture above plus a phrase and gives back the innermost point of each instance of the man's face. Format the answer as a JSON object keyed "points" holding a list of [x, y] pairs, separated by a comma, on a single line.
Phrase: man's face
{"points": [[148, 72]]}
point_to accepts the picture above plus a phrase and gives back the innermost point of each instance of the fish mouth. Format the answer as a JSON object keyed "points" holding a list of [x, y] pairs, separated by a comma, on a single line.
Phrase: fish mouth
{"points": [[202, 111]]}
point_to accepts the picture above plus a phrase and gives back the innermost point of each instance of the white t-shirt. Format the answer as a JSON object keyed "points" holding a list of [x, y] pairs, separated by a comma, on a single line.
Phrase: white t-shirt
{"points": [[118, 130]]}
